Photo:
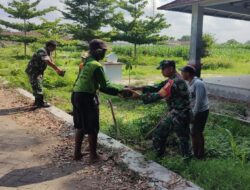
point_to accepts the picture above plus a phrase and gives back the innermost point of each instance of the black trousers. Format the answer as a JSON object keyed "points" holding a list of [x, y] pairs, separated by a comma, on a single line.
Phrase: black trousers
{"points": [[85, 112], [199, 123]]}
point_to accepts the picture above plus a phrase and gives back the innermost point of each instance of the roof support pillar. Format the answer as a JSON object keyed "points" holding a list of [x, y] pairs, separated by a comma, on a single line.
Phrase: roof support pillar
{"points": [[196, 36]]}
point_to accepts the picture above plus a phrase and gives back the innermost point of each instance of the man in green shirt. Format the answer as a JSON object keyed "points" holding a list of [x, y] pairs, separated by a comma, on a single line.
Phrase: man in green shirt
{"points": [[35, 71], [90, 80]]}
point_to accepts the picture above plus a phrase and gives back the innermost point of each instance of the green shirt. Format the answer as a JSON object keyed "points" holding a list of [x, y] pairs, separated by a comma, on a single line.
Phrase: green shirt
{"points": [[92, 78]]}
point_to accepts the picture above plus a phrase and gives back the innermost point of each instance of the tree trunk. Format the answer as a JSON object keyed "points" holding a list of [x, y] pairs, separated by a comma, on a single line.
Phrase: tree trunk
{"points": [[89, 13], [25, 34], [129, 76], [135, 54], [25, 49]]}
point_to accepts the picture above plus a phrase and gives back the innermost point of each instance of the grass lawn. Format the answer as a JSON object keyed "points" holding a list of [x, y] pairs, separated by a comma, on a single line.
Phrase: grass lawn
{"points": [[227, 166]]}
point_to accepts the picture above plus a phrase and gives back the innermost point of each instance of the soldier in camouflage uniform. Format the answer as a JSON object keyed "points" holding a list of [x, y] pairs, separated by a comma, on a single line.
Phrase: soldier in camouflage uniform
{"points": [[35, 71], [176, 93]]}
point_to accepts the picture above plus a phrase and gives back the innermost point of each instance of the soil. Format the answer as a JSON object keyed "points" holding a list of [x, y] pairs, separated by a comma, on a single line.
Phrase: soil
{"points": [[36, 153]]}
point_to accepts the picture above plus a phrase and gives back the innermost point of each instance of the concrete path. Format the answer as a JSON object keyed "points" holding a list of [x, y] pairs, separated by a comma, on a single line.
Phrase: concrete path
{"points": [[238, 82], [33, 155], [232, 88]]}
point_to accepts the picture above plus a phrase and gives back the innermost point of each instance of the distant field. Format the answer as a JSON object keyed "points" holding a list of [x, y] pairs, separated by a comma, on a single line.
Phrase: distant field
{"points": [[227, 166], [224, 60]]}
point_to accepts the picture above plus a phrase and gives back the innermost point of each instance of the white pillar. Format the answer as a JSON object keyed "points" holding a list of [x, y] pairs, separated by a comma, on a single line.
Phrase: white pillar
{"points": [[196, 36]]}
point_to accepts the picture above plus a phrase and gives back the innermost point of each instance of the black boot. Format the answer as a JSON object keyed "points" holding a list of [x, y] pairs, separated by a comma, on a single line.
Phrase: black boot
{"points": [[40, 103], [36, 102], [185, 148], [160, 147]]}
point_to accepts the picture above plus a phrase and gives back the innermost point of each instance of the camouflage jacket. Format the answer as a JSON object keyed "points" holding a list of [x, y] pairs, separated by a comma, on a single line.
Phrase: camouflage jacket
{"points": [[174, 90], [37, 64]]}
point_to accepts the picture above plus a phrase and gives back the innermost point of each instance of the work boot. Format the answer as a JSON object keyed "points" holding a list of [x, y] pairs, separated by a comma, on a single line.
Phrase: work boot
{"points": [[36, 102], [185, 147], [40, 103], [159, 146]]}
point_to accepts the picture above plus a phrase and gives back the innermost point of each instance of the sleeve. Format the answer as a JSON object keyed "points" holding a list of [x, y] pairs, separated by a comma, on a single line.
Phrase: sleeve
{"points": [[199, 94], [150, 97], [105, 85], [164, 92], [154, 88]]}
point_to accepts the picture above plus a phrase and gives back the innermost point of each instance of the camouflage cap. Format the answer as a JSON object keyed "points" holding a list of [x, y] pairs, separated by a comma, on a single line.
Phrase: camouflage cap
{"points": [[166, 63]]}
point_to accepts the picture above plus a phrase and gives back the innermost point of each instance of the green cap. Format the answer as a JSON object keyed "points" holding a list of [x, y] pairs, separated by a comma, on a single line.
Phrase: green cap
{"points": [[166, 63]]}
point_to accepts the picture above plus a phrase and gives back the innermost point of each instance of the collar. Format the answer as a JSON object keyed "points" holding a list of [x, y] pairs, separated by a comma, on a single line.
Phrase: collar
{"points": [[192, 82], [90, 58], [176, 75]]}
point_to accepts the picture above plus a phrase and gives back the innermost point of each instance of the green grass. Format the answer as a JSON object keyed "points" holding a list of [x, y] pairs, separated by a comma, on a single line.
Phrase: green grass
{"points": [[212, 174], [227, 164]]}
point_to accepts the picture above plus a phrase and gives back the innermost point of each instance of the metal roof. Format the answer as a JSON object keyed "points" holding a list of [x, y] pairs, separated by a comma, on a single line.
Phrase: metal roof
{"points": [[234, 9]]}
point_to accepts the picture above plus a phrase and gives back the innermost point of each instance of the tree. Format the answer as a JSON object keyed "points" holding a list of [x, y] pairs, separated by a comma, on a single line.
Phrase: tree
{"points": [[232, 42], [247, 42], [138, 30], [23, 10], [185, 38], [207, 43], [53, 30], [89, 17]]}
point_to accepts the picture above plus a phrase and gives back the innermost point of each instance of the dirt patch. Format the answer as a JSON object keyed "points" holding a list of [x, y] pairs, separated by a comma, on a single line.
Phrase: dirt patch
{"points": [[47, 161]]}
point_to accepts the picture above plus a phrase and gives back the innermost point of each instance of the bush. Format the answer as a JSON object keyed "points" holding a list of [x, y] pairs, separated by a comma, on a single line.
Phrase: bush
{"points": [[207, 43], [149, 60], [15, 72], [156, 51], [213, 63]]}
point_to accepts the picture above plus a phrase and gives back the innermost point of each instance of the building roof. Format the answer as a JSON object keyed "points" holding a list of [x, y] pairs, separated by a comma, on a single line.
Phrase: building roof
{"points": [[234, 9]]}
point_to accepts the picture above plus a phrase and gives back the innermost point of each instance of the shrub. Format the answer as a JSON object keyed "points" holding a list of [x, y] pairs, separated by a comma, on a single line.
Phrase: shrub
{"points": [[207, 43], [213, 63], [15, 71], [156, 51]]}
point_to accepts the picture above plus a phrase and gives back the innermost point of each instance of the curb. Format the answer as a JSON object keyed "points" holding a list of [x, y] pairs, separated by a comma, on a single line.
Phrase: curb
{"points": [[160, 177]]}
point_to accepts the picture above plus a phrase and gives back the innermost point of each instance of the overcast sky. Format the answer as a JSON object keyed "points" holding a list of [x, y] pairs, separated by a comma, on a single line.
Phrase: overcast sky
{"points": [[222, 29]]}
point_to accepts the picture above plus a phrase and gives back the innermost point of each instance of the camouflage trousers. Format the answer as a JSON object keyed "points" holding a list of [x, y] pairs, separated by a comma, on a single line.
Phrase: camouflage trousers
{"points": [[173, 123], [36, 84]]}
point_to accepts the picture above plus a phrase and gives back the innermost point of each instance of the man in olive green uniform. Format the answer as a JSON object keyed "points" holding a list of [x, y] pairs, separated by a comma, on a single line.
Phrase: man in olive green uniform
{"points": [[91, 78], [35, 71], [176, 93]]}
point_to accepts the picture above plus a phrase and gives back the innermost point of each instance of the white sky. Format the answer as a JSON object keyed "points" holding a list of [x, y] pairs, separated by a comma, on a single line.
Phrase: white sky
{"points": [[222, 29]]}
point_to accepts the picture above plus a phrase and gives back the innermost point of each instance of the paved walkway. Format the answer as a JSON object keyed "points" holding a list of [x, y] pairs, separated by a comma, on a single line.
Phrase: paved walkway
{"points": [[239, 81], [33, 155]]}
